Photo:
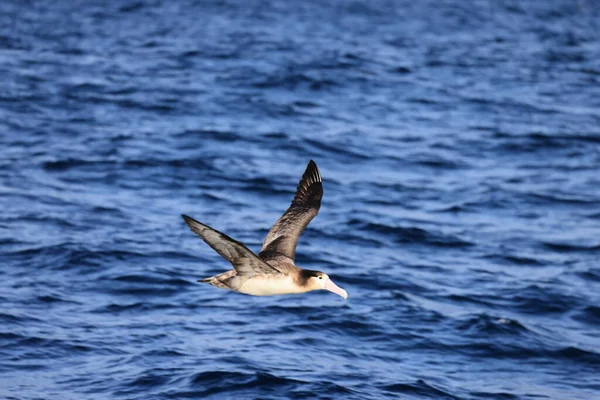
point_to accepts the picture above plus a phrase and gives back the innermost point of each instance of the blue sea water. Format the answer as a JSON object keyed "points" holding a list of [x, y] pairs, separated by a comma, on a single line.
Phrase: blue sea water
{"points": [[459, 143]]}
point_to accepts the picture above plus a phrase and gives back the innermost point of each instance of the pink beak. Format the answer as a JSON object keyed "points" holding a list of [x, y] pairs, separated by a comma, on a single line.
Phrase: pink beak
{"points": [[332, 287]]}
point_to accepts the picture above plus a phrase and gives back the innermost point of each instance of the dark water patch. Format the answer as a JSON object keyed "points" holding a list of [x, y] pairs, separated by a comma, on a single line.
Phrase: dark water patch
{"points": [[208, 134], [220, 382], [17, 318], [421, 100], [500, 350], [34, 347], [563, 247], [480, 300], [402, 70], [562, 198], [454, 209], [107, 210], [303, 311], [133, 290], [70, 256], [294, 81], [132, 7], [484, 324], [563, 56], [578, 355], [533, 299], [152, 279], [132, 308], [592, 274], [538, 300], [419, 388], [70, 163], [341, 149], [494, 395], [261, 185], [427, 267], [9, 336], [382, 282], [325, 390], [276, 135], [49, 299], [23, 367], [326, 323], [306, 104], [353, 239], [164, 353], [514, 259], [356, 328], [589, 315], [149, 379], [537, 142], [194, 163], [411, 235], [436, 162]]}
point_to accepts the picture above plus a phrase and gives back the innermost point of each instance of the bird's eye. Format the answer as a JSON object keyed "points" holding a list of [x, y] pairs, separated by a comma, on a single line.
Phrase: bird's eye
{"points": [[320, 277]]}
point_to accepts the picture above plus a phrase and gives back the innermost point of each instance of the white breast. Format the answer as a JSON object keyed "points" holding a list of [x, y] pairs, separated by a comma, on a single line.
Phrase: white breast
{"points": [[268, 286]]}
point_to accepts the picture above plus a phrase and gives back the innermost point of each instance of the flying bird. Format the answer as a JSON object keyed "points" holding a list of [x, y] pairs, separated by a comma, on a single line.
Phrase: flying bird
{"points": [[273, 271]]}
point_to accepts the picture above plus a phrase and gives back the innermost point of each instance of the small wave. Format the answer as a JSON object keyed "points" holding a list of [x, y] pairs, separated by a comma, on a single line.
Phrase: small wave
{"points": [[494, 395], [13, 318], [578, 355], [541, 142], [570, 247], [152, 279], [294, 80], [561, 198], [54, 298], [535, 299], [226, 381], [514, 259], [419, 388], [211, 134], [69, 163], [592, 274], [436, 161], [484, 324], [411, 234], [148, 380], [195, 163], [341, 150], [589, 315], [137, 307], [218, 382]]}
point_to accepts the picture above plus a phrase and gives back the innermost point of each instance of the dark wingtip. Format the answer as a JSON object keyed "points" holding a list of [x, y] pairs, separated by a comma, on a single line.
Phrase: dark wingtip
{"points": [[312, 172], [310, 190], [189, 220]]}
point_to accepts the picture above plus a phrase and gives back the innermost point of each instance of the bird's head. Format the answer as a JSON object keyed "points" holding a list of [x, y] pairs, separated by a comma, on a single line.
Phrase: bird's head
{"points": [[317, 280]]}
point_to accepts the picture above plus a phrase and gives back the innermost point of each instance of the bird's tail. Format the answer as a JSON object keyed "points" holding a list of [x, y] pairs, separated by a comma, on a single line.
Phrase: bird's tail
{"points": [[221, 280]]}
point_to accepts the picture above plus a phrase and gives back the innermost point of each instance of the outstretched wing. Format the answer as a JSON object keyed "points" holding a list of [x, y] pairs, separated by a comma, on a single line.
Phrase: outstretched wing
{"points": [[283, 236], [243, 259]]}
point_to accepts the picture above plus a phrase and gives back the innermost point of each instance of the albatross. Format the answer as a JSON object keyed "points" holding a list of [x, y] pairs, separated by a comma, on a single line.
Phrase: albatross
{"points": [[273, 271]]}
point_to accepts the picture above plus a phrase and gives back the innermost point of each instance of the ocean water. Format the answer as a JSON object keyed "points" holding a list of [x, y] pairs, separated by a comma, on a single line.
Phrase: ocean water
{"points": [[459, 144]]}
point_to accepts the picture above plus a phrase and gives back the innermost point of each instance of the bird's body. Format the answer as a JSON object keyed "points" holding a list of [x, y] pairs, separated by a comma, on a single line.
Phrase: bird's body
{"points": [[270, 286], [273, 271]]}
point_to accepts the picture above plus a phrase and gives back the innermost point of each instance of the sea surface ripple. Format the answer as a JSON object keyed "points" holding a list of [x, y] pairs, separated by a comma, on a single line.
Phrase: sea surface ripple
{"points": [[459, 144]]}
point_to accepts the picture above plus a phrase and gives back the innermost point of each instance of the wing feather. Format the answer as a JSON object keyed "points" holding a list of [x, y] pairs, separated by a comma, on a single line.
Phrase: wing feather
{"points": [[282, 239], [243, 259]]}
